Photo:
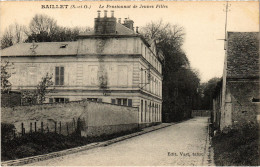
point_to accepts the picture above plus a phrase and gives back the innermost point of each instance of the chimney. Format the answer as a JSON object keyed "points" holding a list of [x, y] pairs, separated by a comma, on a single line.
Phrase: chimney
{"points": [[119, 20], [105, 25], [137, 29], [112, 13], [98, 13], [105, 13], [129, 24]]}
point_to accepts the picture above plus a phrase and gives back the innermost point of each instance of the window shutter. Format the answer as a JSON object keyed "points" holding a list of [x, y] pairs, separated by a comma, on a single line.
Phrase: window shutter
{"points": [[61, 75], [130, 102], [125, 102], [113, 101], [57, 73]]}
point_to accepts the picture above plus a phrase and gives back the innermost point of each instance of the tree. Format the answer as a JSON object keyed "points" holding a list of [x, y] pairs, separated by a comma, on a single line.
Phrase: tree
{"points": [[38, 95], [43, 28], [207, 93], [42, 88], [5, 75], [12, 35], [180, 82]]}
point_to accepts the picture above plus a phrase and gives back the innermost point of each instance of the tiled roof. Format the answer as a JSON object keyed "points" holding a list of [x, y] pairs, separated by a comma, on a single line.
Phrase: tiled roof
{"points": [[243, 55], [41, 48], [123, 30], [120, 30]]}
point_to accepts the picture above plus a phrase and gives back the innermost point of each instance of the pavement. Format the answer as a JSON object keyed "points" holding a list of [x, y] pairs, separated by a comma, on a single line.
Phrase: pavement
{"points": [[183, 144]]}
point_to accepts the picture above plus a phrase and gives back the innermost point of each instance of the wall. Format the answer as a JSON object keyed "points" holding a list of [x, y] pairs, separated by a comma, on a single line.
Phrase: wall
{"points": [[10, 99], [91, 71], [95, 118], [243, 109], [201, 113]]}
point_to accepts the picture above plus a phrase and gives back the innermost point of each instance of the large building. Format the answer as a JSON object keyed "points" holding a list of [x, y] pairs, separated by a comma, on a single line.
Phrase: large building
{"points": [[236, 99], [112, 64]]}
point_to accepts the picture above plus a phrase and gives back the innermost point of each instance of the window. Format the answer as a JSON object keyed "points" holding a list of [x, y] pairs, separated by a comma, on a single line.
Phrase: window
{"points": [[113, 101], [124, 102], [59, 100], [141, 110], [130, 102], [59, 76], [145, 110], [92, 99], [255, 100]]}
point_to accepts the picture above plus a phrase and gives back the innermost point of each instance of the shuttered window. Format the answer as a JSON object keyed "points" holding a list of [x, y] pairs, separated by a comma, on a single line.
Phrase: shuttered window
{"points": [[59, 75], [130, 102]]}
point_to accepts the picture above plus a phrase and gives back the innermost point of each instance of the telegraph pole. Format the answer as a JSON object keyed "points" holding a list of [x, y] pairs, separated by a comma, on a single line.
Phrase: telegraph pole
{"points": [[227, 10], [226, 19]]}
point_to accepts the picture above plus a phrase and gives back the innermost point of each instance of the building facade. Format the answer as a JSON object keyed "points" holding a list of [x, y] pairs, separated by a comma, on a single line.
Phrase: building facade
{"points": [[236, 99], [112, 64]]}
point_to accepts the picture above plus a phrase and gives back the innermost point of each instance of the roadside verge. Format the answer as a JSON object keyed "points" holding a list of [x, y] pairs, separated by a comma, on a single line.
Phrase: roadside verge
{"points": [[37, 158]]}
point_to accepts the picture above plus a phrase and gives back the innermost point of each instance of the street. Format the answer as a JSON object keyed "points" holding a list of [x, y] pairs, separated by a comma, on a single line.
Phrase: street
{"points": [[184, 143]]}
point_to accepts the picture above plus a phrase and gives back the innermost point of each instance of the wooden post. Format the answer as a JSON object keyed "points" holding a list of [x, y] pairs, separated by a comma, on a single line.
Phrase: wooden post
{"points": [[42, 127], [60, 127], [30, 127], [22, 129]]}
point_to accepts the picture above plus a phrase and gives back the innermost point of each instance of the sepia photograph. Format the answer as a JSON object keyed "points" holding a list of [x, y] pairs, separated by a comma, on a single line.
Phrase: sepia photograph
{"points": [[130, 83]]}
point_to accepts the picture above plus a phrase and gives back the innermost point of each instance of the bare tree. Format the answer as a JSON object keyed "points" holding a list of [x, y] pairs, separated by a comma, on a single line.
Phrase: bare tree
{"points": [[12, 35], [42, 23]]}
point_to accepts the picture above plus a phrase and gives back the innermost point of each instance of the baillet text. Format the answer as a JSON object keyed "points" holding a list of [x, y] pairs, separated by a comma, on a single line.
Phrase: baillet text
{"points": [[54, 6]]}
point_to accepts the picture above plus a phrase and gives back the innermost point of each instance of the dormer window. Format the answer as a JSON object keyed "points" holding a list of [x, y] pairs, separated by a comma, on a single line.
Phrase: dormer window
{"points": [[255, 100], [63, 45]]}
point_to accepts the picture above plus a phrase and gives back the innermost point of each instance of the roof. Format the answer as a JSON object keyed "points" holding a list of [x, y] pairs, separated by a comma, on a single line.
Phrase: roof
{"points": [[41, 48], [120, 30], [243, 55]]}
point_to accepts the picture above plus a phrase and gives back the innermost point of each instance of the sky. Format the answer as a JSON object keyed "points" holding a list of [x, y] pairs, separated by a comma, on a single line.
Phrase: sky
{"points": [[203, 22]]}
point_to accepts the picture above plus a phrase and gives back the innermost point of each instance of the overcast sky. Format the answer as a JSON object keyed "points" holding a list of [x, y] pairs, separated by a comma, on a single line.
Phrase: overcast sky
{"points": [[204, 23]]}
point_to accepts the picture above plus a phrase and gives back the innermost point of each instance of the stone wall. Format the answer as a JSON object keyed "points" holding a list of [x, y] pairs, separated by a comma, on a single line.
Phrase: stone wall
{"points": [[90, 118], [10, 99], [242, 93]]}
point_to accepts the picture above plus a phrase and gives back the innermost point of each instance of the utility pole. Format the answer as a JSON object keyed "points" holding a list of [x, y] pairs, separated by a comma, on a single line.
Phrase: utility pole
{"points": [[227, 10], [226, 19]]}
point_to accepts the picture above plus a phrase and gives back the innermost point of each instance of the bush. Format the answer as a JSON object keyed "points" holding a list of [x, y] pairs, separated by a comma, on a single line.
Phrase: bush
{"points": [[237, 145], [37, 143], [7, 131]]}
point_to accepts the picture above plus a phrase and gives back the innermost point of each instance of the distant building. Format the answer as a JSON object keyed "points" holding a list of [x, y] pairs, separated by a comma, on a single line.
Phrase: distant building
{"points": [[236, 99], [112, 64]]}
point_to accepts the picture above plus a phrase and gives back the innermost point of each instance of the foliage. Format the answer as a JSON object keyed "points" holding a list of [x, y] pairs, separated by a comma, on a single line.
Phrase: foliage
{"points": [[237, 146], [5, 75], [207, 93], [180, 82], [12, 35], [7, 131], [38, 96], [42, 143], [43, 28]]}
